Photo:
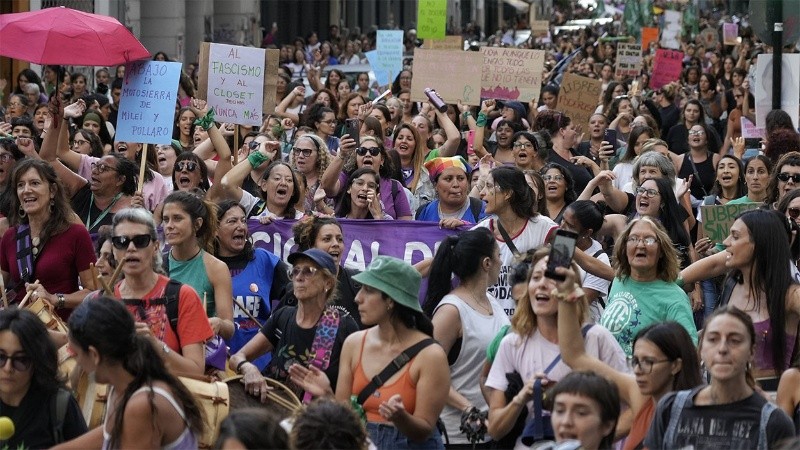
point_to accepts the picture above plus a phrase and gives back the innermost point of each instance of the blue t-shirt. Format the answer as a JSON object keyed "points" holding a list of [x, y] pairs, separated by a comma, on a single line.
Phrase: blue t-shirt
{"points": [[430, 213]]}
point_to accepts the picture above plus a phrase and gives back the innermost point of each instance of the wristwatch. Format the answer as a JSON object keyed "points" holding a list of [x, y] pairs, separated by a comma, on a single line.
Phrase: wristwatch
{"points": [[60, 301], [166, 349]]}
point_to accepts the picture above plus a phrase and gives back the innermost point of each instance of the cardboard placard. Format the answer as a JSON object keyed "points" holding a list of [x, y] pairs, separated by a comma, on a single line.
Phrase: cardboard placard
{"points": [[147, 102], [540, 28], [389, 52], [629, 60], [448, 43], [730, 33], [578, 98], [709, 37], [750, 130], [511, 73], [717, 219], [673, 28], [667, 67], [431, 19], [234, 80], [790, 86], [455, 75], [381, 76], [649, 34]]}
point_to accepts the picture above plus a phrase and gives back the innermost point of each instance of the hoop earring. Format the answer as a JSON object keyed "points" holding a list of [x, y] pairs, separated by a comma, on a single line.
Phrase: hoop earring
{"points": [[22, 213]]}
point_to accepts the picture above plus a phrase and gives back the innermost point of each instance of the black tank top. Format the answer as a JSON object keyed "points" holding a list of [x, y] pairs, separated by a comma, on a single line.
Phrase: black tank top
{"points": [[702, 187]]}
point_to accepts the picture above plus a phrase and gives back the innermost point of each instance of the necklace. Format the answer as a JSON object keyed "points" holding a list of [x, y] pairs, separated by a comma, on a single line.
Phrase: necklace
{"points": [[479, 304], [35, 243]]}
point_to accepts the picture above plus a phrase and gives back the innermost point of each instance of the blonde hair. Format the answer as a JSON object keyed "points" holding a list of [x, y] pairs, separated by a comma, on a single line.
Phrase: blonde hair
{"points": [[323, 155], [667, 268], [524, 322]]}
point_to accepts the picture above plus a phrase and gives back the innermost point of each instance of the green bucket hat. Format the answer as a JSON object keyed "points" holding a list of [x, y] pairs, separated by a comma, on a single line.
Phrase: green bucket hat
{"points": [[394, 277]]}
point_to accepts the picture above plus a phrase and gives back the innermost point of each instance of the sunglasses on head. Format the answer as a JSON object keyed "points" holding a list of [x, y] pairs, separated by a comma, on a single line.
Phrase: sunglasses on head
{"points": [[19, 363], [123, 242], [784, 176], [374, 151], [793, 212], [189, 166]]}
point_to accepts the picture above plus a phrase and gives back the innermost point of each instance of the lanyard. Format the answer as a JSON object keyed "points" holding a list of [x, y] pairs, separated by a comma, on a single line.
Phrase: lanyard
{"points": [[102, 214]]}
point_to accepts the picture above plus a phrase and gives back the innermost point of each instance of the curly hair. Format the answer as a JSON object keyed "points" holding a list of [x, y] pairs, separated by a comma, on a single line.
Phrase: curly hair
{"points": [[306, 229], [323, 155]]}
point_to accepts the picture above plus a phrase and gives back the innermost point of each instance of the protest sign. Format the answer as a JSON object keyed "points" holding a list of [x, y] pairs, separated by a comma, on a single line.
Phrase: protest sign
{"points": [[717, 219], [790, 86], [629, 60], [448, 43], [454, 75], [578, 98], [667, 67], [540, 28], [147, 102], [751, 131], [431, 19], [234, 82], [730, 31], [271, 80], [389, 52], [381, 76], [673, 27], [649, 34], [511, 73], [709, 38]]}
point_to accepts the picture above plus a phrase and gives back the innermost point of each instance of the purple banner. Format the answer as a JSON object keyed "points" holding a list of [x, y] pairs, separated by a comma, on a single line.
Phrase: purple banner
{"points": [[408, 240]]}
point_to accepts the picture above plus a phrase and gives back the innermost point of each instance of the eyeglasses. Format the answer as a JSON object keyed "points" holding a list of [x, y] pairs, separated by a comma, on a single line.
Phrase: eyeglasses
{"points": [[306, 152], [525, 145], [547, 178], [19, 363], [696, 132], [649, 193], [793, 212], [369, 184], [77, 142], [189, 166], [635, 240], [304, 271], [102, 168], [645, 365], [252, 145], [362, 151], [139, 241], [6, 157], [785, 177]]}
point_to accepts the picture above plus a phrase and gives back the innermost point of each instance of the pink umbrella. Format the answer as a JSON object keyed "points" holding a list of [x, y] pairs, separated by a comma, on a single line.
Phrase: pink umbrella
{"points": [[68, 37]]}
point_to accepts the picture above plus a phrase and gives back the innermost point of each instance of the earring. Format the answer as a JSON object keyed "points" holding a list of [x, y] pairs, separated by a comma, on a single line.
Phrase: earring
{"points": [[52, 204], [21, 212]]}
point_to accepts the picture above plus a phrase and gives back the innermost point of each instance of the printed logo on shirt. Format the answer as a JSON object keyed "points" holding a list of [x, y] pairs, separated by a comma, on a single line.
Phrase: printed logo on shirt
{"points": [[621, 318], [502, 291]]}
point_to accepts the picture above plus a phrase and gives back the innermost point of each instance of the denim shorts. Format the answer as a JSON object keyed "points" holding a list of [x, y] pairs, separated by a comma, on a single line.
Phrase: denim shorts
{"points": [[387, 437]]}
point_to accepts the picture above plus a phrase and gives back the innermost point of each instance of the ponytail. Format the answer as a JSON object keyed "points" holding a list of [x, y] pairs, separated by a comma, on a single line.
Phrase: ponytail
{"points": [[439, 279]]}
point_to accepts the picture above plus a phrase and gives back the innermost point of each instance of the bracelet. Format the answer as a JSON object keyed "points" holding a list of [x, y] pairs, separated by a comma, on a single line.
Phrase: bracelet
{"points": [[256, 159], [206, 121], [165, 348], [465, 115], [481, 121], [61, 301], [239, 366], [679, 281], [576, 293]]}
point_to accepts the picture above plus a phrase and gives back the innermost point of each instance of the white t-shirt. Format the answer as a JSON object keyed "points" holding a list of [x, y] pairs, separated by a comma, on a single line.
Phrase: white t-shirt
{"points": [[594, 282], [249, 201], [532, 235], [532, 355]]}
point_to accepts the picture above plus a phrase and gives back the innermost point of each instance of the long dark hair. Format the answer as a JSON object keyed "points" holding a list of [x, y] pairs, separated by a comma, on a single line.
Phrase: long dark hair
{"points": [[675, 343], [107, 325], [345, 199], [197, 208], [511, 179], [768, 233], [569, 191], [223, 207], [459, 254], [289, 212], [94, 141], [741, 184], [669, 213], [35, 341], [630, 152], [61, 215]]}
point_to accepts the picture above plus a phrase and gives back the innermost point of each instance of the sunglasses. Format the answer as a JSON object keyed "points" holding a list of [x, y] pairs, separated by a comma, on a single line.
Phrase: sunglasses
{"points": [[306, 152], [374, 151], [783, 176], [139, 241], [793, 212], [189, 166], [19, 363], [304, 271]]}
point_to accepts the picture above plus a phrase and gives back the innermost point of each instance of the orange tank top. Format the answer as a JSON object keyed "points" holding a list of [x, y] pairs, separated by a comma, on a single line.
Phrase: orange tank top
{"points": [[404, 386], [641, 423]]}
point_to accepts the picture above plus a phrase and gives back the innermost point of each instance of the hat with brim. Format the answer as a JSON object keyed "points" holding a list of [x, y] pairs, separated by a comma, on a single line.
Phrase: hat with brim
{"points": [[320, 257], [395, 278]]}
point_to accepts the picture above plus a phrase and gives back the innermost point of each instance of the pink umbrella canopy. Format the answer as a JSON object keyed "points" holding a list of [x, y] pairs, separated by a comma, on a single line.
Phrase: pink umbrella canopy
{"points": [[68, 37]]}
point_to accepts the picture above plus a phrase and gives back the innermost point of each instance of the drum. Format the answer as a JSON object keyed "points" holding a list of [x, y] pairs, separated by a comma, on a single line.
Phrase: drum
{"points": [[213, 400], [47, 314], [92, 398], [280, 399]]}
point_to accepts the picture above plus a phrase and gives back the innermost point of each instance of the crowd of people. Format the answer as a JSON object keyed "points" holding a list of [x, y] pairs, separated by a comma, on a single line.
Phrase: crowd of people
{"points": [[654, 336]]}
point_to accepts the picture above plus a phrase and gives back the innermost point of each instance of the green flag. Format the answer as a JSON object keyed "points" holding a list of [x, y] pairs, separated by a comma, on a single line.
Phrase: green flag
{"points": [[600, 9], [632, 18]]}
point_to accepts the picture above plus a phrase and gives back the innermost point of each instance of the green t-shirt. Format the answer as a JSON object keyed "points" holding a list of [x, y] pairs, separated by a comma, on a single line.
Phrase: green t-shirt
{"points": [[633, 305]]}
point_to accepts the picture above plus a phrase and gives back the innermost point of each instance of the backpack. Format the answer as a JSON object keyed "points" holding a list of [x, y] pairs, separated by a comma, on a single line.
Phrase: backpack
{"points": [[170, 300], [58, 413]]}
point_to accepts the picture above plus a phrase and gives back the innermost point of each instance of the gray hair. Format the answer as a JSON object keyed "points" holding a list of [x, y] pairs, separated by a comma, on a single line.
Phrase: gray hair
{"points": [[144, 217], [654, 159], [30, 88]]}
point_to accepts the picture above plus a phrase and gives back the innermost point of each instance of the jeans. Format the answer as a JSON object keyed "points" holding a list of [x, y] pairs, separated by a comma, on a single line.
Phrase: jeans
{"points": [[387, 437], [710, 296]]}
